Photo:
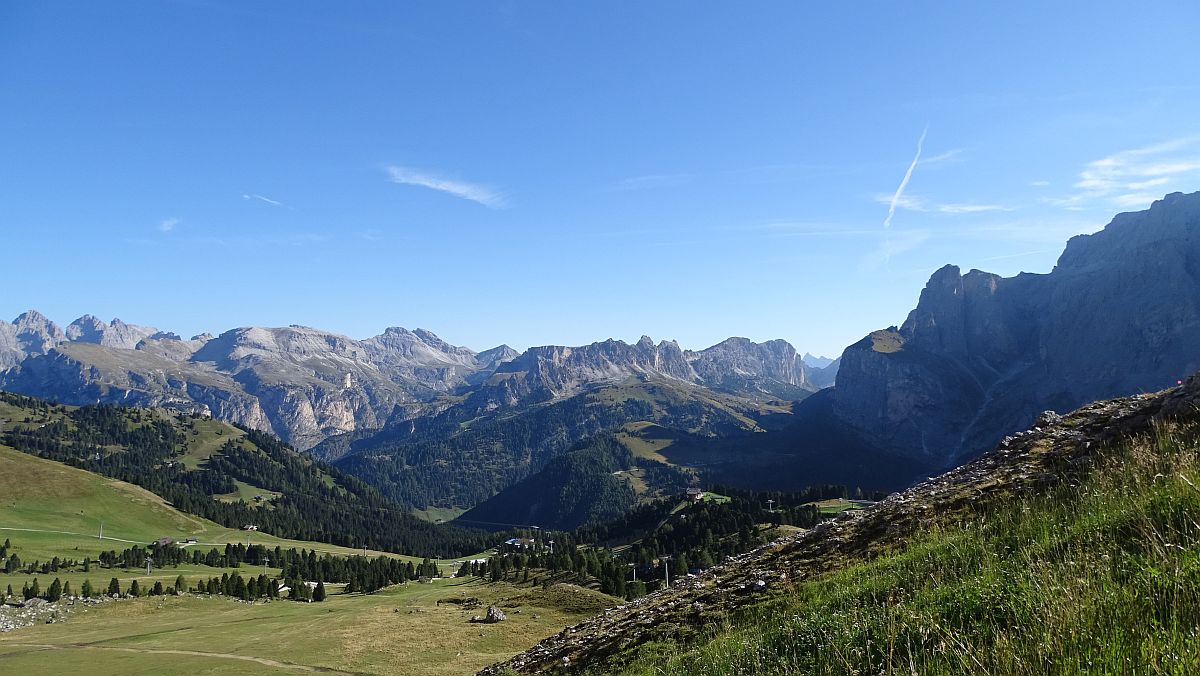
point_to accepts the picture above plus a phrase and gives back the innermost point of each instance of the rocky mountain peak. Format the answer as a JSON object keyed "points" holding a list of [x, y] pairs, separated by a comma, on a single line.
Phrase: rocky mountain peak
{"points": [[118, 334], [815, 361], [982, 354], [740, 365], [490, 359], [35, 334]]}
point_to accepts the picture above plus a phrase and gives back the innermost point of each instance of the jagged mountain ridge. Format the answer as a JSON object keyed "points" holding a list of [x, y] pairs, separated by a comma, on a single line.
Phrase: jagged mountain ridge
{"points": [[981, 354], [302, 384], [307, 385], [539, 404], [736, 366]]}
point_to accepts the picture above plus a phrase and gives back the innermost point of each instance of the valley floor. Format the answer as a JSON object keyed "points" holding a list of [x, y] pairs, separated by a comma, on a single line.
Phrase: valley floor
{"points": [[406, 629]]}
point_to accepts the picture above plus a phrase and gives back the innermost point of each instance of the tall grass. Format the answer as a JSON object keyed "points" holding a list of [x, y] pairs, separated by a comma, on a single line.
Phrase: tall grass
{"points": [[1102, 576]]}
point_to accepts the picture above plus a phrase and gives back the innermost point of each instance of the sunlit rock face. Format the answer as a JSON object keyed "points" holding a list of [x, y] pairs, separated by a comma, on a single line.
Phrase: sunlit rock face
{"points": [[982, 355]]}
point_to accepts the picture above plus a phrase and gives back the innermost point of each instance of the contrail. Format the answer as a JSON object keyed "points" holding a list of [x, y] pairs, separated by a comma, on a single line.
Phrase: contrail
{"points": [[887, 222], [268, 200]]}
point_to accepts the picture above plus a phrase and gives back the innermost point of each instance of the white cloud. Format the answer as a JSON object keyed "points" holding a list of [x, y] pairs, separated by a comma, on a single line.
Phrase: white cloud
{"points": [[1135, 199], [482, 194], [1154, 182], [899, 194], [1039, 184], [915, 203], [168, 224], [970, 208], [652, 181], [1122, 178]]}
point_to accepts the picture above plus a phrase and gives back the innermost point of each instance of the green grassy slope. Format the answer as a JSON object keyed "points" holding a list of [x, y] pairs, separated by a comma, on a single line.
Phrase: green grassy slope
{"points": [[213, 470], [1072, 548], [1103, 577], [49, 509]]}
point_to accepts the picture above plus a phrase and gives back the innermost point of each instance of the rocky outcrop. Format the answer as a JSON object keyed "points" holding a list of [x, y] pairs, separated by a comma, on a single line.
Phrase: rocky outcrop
{"points": [[118, 334], [738, 365], [981, 355], [556, 371]]}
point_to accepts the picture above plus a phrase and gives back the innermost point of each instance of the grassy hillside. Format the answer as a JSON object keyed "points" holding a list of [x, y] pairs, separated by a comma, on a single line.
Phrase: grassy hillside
{"points": [[49, 509], [225, 474], [1103, 577], [1072, 548]]}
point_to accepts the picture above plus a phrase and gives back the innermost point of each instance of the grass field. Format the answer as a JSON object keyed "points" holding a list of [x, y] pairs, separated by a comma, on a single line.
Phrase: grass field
{"points": [[246, 493], [207, 438], [834, 506], [439, 514], [401, 630]]}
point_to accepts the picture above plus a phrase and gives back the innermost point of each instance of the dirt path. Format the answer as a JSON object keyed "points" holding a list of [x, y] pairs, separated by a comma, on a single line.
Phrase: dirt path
{"points": [[64, 532], [196, 653]]}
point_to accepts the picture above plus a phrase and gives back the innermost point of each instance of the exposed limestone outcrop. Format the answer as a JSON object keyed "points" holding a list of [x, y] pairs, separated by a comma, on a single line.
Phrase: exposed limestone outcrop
{"points": [[981, 354]]}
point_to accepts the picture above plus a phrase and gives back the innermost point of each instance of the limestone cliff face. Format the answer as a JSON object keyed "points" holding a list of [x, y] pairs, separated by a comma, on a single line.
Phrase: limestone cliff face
{"points": [[302, 384], [306, 385], [982, 355], [738, 365], [89, 329], [554, 371]]}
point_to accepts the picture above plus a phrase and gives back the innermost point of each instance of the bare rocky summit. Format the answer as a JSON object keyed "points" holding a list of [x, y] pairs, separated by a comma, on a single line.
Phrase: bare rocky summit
{"points": [[981, 354]]}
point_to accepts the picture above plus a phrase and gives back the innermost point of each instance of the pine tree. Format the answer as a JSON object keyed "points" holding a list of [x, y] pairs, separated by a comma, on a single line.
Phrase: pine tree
{"points": [[157, 589], [114, 587], [66, 591], [86, 589], [180, 585], [319, 592], [35, 590], [135, 590], [9, 593]]}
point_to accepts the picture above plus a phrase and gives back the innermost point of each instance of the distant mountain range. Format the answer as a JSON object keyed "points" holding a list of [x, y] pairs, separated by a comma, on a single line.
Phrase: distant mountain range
{"points": [[306, 385], [429, 423]]}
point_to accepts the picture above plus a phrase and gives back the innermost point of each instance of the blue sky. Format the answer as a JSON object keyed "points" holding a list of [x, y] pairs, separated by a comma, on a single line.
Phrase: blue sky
{"points": [[565, 172]]}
